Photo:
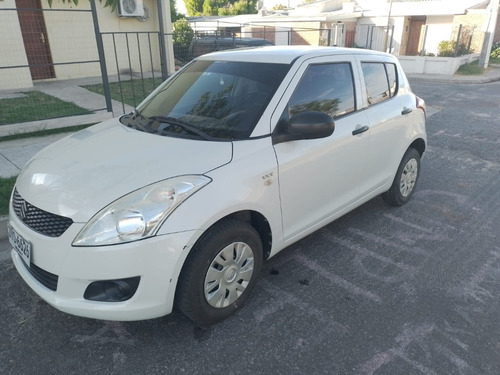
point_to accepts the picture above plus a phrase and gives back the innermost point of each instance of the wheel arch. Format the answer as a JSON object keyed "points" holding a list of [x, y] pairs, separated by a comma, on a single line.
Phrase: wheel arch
{"points": [[419, 145], [258, 222]]}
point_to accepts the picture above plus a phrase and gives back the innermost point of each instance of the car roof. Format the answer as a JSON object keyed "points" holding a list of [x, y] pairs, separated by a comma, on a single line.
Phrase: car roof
{"points": [[284, 54]]}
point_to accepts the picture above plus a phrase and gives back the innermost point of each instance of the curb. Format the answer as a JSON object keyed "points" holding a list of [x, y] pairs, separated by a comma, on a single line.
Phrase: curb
{"points": [[453, 80]]}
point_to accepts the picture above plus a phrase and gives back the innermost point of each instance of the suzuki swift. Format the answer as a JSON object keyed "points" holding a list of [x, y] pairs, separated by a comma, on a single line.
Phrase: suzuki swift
{"points": [[235, 157]]}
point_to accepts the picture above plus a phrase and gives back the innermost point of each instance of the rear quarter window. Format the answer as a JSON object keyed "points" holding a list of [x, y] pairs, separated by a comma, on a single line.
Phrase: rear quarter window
{"points": [[381, 81]]}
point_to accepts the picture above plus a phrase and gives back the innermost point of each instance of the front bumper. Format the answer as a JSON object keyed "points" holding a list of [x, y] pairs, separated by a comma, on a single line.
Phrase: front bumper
{"points": [[157, 261]]}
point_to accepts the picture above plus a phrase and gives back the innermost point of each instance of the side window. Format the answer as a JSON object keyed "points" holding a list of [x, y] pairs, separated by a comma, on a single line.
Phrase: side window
{"points": [[381, 81], [326, 88]]}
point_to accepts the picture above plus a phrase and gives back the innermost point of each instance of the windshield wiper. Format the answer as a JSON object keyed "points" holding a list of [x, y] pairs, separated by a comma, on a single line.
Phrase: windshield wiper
{"points": [[136, 121], [185, 126]]}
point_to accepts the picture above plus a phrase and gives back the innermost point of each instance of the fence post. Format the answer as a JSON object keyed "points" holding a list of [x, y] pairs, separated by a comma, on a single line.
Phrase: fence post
{"points": [[102, 58], [163, 47], [458, 40], [423, 40]]}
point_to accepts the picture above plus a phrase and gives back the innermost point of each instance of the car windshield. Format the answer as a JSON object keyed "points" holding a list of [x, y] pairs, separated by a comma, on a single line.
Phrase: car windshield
{"points": [[210, 100]]}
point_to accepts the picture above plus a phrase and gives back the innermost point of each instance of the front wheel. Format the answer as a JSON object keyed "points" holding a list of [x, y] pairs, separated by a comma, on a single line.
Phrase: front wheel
{"points": [[406, 178], [220, 272]]}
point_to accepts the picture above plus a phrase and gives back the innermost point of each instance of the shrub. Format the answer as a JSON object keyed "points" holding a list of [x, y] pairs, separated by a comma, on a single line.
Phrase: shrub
{"points": [[446, 48], [495, 51], [182, 36]]}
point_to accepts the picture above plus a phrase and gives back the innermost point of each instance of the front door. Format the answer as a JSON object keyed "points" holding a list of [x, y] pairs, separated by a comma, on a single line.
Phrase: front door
{"points": [[416, 24], [35, 39], [321, 177]]}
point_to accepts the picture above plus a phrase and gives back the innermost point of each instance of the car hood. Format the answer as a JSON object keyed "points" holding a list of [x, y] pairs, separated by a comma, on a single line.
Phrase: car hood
{"points": [[79, 175]]}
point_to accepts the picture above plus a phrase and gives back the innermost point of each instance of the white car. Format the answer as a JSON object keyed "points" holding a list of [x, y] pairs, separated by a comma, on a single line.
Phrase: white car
{"points": [[232, 159]]}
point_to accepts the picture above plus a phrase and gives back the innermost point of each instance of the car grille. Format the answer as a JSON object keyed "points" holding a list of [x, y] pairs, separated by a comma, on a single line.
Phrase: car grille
{"points": [[47, 279], [40, 221]]}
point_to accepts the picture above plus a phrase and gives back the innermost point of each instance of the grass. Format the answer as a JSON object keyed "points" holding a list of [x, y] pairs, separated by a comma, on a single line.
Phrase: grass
{"points": [[6, 186], [470, 69], [130, 92], [494, 60], [34, 106]]}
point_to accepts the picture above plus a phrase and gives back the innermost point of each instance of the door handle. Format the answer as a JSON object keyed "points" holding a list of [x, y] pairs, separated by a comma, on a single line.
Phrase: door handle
{"points": [[360, 130], [406, 110]]}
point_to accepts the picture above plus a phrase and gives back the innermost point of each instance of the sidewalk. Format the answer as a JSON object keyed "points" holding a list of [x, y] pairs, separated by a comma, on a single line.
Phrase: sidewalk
{"points": [[69, 91], [15, 154], [492, 75]]}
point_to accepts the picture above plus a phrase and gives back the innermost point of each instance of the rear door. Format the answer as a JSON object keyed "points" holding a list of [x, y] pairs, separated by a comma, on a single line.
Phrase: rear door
{"points": [[320, 178], [390, 110]]}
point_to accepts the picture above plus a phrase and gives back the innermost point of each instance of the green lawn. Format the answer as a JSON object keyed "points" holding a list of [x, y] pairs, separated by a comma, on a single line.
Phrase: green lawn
{"points": [[470, 69], [6, 186], [130, 92], [34, 106]]}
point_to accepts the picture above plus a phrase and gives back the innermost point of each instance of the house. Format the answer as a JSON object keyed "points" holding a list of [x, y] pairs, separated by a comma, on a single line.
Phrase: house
{"points": [[402, 27], [43, 43]]}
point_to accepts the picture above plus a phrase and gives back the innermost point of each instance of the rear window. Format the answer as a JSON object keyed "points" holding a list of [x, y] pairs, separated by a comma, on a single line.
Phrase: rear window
{"points": [[381, 81]]}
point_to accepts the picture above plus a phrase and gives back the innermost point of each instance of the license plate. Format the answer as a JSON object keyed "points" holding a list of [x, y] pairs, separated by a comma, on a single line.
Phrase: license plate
{"points": [[22, 246]]}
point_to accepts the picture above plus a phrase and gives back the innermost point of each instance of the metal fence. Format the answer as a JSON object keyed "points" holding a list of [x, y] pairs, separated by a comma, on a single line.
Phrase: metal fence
{"points": [[464, 39], [43, 59], [374, 37], [120, 67]]}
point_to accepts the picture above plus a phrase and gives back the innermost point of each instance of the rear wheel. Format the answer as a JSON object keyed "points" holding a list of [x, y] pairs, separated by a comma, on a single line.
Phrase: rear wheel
{"points": [[406, 178], [220, 272]]}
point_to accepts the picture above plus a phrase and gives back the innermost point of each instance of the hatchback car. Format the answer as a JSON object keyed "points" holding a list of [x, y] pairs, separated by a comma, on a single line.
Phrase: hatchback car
{"points": [[235, 157]]}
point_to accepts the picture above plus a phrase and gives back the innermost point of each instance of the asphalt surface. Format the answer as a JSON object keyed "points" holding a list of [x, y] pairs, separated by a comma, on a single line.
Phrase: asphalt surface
{"points": [[383, 290]]}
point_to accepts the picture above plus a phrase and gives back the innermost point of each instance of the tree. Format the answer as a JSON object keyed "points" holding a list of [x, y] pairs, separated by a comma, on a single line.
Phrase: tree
{"points": [[113, 4], [182, 36], [194, 7], [220, 7], [238, 7]]}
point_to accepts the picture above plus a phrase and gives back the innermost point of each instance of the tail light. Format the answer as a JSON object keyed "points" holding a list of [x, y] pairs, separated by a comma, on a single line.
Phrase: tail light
{"points": [[421, 104]]}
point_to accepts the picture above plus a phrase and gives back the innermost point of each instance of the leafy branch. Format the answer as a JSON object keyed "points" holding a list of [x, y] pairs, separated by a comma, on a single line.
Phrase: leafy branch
{"points": [[109, 3]]}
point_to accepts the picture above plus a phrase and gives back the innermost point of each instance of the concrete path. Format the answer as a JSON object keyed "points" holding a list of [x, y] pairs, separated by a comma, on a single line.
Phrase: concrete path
{"points": [[69, 91]]}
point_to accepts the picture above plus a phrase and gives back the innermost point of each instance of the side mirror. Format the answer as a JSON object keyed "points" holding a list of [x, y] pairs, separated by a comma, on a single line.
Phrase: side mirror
{"points": [[305, 125]]}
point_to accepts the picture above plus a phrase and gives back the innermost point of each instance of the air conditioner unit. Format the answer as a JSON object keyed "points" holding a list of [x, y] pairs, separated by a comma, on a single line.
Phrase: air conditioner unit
{"points": [[131, 8]]}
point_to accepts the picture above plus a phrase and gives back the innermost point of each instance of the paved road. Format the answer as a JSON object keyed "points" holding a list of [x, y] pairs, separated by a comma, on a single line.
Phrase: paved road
{"points": [[412, 290]]}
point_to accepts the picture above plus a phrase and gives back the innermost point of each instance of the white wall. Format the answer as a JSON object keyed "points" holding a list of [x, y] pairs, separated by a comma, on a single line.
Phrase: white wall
{"points": [[439, 28]]}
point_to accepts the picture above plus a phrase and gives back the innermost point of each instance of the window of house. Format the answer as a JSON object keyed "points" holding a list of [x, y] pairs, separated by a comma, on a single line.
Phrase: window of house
{"points": [[326, 88], [381, 81]]}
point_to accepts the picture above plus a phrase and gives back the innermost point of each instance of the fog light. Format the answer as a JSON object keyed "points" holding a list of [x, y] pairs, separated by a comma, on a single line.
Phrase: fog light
{"points": [[112, 290]]}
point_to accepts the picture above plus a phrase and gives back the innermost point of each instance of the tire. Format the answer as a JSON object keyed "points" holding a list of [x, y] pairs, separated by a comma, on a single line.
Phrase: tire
{"points": [[220, 272], [404, 183]]}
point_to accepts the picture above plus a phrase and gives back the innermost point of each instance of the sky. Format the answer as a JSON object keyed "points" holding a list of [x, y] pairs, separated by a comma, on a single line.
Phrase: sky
{"points": [[179, 4]]}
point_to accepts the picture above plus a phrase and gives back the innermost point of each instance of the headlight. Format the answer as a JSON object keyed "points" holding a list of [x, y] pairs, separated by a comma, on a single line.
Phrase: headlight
{"points": [[139, 214]]}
